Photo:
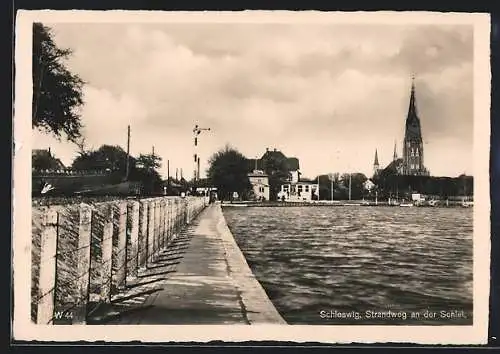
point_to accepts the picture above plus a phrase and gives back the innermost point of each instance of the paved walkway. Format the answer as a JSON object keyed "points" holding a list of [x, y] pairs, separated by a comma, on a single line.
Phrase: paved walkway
{"points": [[203, 278]]}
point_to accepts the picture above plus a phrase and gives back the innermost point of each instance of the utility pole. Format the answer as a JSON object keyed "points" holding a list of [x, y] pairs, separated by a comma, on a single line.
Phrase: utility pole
{"points": [[318, 187], [176, 173], [168, 176], [198, 169], [127, 170], [331, 186], [350, 180]]}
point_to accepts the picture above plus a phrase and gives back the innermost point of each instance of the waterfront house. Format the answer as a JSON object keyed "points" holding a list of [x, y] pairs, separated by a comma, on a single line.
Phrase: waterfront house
{"points": [[260, 184], [279, 168], [299, 191]]}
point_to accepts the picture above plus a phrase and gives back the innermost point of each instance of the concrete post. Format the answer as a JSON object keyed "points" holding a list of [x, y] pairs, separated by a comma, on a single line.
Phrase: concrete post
{"points": [[133, 241], [120, 249], [107, 254], [162, 224], [143, 233], [47, 276], [187, 214], [83, 272], [165, 242], [176, 217], [157, 228], [170, 220], [150, 238]]}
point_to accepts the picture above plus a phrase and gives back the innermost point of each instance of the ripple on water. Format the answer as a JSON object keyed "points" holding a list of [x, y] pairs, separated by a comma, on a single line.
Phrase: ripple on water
{"points": [[357, 259]]}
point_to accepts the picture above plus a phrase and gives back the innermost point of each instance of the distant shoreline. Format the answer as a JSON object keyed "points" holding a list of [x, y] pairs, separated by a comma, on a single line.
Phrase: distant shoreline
{"points": [[451, 204]]}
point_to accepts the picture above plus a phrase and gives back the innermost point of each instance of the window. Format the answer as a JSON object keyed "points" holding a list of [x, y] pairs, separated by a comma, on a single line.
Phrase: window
{"points": [[306, 188], [416, 152], [412, 152], [299, 188]]}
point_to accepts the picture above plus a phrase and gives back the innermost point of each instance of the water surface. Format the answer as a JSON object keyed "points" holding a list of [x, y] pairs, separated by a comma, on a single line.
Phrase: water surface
{"points": [[352, 265]]}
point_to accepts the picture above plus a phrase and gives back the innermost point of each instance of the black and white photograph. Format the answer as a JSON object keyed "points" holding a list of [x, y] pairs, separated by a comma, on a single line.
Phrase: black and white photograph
{"points": [[305, 171]]}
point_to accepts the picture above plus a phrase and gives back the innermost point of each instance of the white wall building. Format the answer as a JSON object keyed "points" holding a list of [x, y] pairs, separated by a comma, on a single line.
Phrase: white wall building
{"points": [[294, 176], [298, 192], [260, 184]]}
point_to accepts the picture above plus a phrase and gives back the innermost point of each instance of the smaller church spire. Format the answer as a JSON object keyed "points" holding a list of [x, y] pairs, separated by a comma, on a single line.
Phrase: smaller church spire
{"points": [[375, 164], [395, 155]]}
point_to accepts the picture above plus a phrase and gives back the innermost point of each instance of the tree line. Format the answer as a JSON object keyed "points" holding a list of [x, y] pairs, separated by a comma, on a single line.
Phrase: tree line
{"points": [[228, 171], [113, 161]]}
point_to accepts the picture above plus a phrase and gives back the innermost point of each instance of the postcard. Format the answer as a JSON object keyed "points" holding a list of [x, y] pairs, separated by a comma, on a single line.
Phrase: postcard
{"points": [[289, 176]]}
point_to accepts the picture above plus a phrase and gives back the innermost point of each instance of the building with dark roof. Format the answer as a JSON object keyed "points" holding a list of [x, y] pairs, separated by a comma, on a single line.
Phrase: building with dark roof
{"points": [[275, 158], [269, 172]]}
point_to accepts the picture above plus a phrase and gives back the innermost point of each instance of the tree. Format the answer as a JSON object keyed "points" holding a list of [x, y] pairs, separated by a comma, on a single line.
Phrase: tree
{"points": [[112, 159], [277, 170], [146, 171], [107, 157], [81, 145], [149, 161], [57, 93], [149, 178], [45, 161], [357, 181], [227, 171]]}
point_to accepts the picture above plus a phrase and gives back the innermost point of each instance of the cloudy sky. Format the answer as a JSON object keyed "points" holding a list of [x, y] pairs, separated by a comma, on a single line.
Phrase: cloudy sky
{"points": [[329, 94]]}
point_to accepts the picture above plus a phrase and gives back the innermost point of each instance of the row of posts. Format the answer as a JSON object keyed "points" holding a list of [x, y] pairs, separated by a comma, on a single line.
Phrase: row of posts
{"points": [[115, 240]]}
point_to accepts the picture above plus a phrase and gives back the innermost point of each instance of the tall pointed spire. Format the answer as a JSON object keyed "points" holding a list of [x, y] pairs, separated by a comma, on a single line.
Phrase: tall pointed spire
{"points": [[395, 155], [412, 109], [413, 150], [412, 130]]}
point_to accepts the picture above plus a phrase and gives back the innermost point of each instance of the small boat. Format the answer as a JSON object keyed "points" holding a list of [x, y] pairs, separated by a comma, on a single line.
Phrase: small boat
{"points": [[406, 204], [467, 204]]}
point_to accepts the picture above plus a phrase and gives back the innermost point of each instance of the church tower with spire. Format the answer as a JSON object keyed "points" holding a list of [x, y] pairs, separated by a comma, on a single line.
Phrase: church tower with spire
{"points": [[413, 148]]}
